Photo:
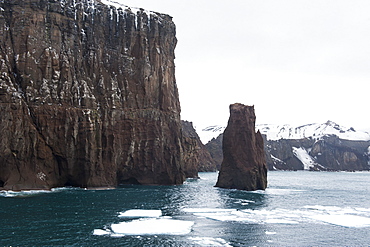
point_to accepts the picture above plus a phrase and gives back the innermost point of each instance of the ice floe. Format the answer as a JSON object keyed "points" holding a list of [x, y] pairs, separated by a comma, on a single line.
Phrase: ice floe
{"points": [[140, 213], [157, 226], [346, 217], [207, 241], [150, 222]]}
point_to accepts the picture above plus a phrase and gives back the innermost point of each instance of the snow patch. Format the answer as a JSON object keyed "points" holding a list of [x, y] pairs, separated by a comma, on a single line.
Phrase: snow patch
{"points": [[118, 5], [304, 157]]}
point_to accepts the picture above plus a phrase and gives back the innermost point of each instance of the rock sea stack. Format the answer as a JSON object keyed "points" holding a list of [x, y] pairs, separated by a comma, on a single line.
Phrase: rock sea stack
{"points": [[244, 164], [88, 96]]}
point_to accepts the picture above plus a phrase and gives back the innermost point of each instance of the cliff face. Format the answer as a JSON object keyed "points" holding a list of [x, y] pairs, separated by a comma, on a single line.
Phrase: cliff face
{"points": [[329, 153], [196, 156], [214, 147], [87, 96], [244, 165]]}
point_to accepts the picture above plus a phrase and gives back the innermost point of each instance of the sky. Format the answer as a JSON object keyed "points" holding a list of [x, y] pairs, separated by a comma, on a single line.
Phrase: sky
{"points": [[296, 61]]}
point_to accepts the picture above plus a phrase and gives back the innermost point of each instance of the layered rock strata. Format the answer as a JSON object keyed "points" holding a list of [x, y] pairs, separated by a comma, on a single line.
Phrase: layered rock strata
{"points": [[88, 96], [244, 165]]}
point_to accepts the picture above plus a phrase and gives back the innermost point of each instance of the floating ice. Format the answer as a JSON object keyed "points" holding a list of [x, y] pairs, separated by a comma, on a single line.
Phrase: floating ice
{"points": [[346, 217], [101, 232], [140, 213], [153, 227], [270, 191], [345, 220], [207, 210], [207, 241], [150, 222]]}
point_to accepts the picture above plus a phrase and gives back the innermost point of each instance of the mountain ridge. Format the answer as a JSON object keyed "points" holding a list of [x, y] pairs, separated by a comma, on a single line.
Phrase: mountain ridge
{"points": [[286, 131], [323, 147]]}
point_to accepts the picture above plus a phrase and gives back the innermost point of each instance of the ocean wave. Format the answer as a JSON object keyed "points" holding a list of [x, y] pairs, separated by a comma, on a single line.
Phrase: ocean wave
{"points": [[28, 193]]}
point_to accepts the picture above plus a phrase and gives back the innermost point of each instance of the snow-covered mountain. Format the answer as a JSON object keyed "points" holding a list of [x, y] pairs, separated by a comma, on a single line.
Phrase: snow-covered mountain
{"points": [[327, 146], [286, 131], [316, 131]]}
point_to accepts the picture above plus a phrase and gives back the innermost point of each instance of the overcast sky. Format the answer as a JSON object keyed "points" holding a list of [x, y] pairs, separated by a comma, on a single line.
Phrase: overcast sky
{"points": [[296, 61]]}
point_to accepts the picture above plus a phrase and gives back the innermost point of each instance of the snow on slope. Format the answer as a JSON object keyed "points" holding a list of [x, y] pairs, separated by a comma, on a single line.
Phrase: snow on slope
{"points": [[304, 157], [276, 132]]}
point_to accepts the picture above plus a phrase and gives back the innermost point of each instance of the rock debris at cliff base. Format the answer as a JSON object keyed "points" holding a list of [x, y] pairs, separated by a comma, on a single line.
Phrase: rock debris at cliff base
{"points": [[88, 96]]}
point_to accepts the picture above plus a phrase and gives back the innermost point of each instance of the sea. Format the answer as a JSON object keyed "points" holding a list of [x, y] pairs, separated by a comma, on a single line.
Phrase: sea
{"points": [[299, 208]]}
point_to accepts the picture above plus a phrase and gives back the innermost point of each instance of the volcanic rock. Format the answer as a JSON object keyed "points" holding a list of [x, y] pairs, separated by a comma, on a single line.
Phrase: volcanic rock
{"points": [[196, 156], [88, 96], [214, 147], [244, 165], [316, 147]]}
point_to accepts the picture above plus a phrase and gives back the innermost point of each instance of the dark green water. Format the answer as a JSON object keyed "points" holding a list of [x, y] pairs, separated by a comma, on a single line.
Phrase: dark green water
{"points": [[298, 209]]}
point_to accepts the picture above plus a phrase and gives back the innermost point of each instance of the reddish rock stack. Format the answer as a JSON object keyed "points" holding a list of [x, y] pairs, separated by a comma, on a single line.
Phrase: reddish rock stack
{"points": [[244, 164], [88, 96]]}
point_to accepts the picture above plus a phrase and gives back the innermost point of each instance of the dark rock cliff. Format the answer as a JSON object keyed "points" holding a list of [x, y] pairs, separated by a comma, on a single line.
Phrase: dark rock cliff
{"points": [[329, 153], [88, 96], [196, 156], [214, 147], [244, 165]]}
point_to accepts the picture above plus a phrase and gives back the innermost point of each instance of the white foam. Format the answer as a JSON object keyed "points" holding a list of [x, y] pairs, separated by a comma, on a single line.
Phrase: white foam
{"points": [[160, 226], [207, 241], [140, 213], [9, 193], [27, 193]]}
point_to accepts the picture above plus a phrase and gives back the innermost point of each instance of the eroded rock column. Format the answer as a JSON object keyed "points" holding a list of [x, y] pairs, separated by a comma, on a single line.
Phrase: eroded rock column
{"points": [[244, 164]]}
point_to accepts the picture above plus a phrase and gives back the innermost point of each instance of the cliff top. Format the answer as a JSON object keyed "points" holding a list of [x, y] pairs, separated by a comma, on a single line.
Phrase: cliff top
{"points": [[118, 5]]}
